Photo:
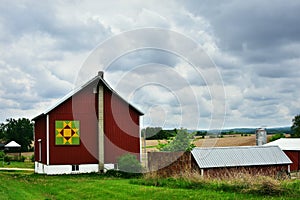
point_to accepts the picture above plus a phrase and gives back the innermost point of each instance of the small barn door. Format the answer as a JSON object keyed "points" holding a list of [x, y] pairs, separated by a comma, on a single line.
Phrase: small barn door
{"points": [[40, 149]]}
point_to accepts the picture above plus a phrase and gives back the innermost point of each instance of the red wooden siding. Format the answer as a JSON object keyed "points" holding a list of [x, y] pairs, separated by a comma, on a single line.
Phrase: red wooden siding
{"points": [[121, 127], [40, 133], [295, 158], [80, 107], [264, 170]]}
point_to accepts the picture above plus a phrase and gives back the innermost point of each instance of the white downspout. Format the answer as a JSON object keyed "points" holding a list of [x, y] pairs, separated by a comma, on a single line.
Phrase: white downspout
{"points": [[47, 140]]}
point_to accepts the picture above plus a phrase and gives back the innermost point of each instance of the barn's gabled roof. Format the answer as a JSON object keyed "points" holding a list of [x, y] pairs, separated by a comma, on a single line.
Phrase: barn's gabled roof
{"points": [[292, 144], [239, 156], [97, 79]]}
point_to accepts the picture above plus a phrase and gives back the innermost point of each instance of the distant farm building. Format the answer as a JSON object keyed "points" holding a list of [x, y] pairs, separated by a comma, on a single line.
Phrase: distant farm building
{"points": [[14, 149], [221, 161], [291, 147], [86, 131], [261, 136]]}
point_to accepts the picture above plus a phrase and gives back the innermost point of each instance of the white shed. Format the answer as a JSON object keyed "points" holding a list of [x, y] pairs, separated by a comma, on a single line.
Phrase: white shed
{"points": [[12, 144]]}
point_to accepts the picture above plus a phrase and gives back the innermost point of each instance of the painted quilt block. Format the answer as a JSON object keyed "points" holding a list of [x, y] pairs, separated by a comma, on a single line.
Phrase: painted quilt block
{"points": [[67, 132]]}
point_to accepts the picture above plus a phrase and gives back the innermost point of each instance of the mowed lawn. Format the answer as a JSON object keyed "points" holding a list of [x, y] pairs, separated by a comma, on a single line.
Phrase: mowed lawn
{"points": [[28, 165], [25, 185]]}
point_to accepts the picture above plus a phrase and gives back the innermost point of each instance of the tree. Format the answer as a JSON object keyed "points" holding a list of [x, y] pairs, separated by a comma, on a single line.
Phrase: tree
{"points": [[129, 163], [21, 131], [156, 133], [201, 133], [151, 131], [296, 126], [181, 142], [277, 136]]}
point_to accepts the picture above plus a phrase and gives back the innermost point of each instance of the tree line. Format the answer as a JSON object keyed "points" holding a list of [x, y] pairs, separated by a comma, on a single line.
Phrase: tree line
{"points": [[18, 130], [21, 131], [157, 133]]}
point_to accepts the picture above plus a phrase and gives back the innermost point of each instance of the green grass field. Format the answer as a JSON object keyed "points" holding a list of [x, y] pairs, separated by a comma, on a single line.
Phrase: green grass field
{"points": [[25, 185], [14, 164]]}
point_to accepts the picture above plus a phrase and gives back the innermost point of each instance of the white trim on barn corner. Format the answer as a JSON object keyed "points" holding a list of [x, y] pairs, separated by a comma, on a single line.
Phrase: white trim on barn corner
{"points": [[65, 169], [69, 169], [47, 136]]}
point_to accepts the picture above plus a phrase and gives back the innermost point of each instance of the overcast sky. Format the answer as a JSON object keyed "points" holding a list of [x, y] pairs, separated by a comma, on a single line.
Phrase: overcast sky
{"points": [[254, 46]]}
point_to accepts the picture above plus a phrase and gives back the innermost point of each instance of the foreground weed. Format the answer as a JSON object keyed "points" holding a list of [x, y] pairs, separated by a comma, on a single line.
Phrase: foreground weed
{"points": [[246, 184]]}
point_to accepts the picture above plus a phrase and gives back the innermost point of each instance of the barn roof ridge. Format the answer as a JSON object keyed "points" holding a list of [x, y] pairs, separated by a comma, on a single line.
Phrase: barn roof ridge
{"points": [[79, 88], [235, 147], [292, 144]]}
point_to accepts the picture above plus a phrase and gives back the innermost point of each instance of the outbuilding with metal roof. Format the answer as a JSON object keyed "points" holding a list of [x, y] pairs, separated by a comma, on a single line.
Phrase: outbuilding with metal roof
{"points": [[219, 161]]}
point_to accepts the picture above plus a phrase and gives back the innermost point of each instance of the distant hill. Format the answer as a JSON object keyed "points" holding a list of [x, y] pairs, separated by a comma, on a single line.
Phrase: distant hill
{"points": [[279, 130], [275, 130]]}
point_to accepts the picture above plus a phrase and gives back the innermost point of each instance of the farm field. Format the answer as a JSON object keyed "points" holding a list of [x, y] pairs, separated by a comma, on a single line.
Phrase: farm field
{"points": [[21, 185], [228, 140]]}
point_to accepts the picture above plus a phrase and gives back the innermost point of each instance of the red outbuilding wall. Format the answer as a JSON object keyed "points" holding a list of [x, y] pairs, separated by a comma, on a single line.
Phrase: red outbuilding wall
{"points": [[295, 158]]}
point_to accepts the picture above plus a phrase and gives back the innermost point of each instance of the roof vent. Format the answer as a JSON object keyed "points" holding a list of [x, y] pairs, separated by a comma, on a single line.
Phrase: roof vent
{"points": [[101, 73]]}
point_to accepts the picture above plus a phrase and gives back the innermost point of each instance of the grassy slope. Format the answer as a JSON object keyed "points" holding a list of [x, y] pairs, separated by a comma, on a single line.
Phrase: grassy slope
{"points": [[20, 185]]}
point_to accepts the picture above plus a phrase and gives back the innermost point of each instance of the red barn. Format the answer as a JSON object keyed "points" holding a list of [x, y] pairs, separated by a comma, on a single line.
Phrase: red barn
{"points": [[291, 147], [86, 131]]}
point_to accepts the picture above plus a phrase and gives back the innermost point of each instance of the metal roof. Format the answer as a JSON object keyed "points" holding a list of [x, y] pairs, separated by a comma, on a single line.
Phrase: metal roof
{"points": [[76, 90], [239, 156], [12, 144], [286, 143]]}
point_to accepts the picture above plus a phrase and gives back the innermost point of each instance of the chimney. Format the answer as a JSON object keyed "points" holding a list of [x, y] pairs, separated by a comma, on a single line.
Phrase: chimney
{"points": [[101, 73]]}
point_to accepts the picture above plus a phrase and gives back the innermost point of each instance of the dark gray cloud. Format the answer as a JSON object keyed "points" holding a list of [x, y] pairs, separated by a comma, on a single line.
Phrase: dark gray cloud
{"points": [[25, 17], [259, 56], [255, 45], [277, 71], [141, 57], [251, 24], [70, 35]]}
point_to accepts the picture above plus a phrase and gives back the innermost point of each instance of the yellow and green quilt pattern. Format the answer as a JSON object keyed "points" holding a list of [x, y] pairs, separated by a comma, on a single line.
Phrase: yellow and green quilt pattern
{"points": [[67, 133]]}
